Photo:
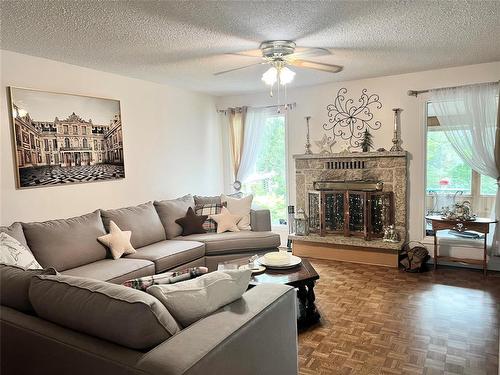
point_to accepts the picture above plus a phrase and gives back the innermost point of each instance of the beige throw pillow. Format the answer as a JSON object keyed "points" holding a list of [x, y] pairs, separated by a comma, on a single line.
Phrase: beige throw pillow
{"points": [[13, 253], [117, 241], [240, 207], [191, 300], [226, 222]]}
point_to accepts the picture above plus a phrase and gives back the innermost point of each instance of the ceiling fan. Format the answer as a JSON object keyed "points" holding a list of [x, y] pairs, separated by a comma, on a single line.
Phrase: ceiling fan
{"points": [[283, 53]]}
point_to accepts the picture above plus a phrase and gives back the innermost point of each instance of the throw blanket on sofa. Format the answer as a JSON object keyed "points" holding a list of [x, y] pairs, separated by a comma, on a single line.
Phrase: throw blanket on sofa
{"points": [[143, 283]]}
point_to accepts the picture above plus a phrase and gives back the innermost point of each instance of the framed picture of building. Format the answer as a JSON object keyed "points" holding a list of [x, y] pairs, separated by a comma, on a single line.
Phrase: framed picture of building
{"points": [[64, 138]]}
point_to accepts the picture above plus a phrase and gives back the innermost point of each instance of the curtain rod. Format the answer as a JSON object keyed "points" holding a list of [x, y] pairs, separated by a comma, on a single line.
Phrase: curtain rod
{"points": [[288, 106], [415, 93]]}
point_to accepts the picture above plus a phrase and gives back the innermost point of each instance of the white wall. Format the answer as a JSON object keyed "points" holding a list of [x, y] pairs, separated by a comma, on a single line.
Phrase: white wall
{"points": [[171, 141], [312, 101]]}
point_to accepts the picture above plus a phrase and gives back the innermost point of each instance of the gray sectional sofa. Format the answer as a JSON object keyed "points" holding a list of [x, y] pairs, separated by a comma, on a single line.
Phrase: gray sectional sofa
{"points": [[235, 340]]}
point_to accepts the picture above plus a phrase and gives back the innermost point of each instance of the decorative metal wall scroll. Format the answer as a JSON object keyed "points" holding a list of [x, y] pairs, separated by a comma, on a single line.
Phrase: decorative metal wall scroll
{"points": [[349, 121]]}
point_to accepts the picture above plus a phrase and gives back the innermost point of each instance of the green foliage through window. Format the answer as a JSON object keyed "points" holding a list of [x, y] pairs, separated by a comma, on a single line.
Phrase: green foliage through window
{"points": [[268, 183], [488, 185], [445, 170]]}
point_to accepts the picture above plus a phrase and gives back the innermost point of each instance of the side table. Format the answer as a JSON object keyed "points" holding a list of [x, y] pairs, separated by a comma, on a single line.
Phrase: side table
{"points": [[480, 225]]}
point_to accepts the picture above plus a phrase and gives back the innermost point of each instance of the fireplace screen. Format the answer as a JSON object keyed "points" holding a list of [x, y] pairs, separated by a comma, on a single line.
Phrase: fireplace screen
{"points": [[350, 212]]}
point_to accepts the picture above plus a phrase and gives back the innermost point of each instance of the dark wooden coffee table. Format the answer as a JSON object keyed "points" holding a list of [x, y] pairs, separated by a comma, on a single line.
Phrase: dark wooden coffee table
{"points": [[303, 278]]}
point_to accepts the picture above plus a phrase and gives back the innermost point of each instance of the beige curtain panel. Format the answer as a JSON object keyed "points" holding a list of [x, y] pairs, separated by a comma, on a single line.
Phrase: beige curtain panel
{"points": [[237, 118]]}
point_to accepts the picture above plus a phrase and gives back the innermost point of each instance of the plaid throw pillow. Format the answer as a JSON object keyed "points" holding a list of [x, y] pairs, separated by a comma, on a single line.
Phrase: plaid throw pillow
{"points": [[209, 209]]}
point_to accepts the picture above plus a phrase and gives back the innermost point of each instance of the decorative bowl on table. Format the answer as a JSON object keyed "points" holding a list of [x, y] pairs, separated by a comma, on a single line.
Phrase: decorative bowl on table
{"points": [[279, 259]]}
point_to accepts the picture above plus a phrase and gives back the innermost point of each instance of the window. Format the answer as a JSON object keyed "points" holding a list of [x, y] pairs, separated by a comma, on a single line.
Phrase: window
{"points": [[75, 129], [268, 182], [54, 144], [449, 179], [65, 129], [488, 185], [84, 130]]}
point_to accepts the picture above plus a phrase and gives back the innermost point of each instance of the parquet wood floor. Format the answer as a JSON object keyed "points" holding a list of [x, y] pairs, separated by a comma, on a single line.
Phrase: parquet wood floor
{"points": [[378, 320]]}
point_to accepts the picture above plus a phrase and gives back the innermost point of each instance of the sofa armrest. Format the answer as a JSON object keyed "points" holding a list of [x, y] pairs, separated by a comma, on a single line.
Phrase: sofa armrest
{"points": [[257, 334], [260, 220]]}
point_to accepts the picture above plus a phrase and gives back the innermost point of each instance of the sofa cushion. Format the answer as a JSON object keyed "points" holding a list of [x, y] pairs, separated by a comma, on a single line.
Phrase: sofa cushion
{"points": [[14, 286], [142, 220], [220, 243], [170, 253], [114, 270], [122, 315], [16, 231], [66, 243], [171, 210]]}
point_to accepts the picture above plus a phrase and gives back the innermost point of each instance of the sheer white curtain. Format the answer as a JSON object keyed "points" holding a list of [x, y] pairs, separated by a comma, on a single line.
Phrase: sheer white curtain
{"points": [[242, 132], [254, 130], [469, 117]]}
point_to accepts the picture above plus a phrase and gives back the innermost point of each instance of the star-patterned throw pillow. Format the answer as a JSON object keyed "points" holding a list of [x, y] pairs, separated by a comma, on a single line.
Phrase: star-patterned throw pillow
{"points": [[192, 223], [226, 221], [118, 241]]}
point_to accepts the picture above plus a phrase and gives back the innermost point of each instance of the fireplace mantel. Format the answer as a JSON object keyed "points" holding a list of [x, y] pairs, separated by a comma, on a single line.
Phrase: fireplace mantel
{"points": [[352, 155]]}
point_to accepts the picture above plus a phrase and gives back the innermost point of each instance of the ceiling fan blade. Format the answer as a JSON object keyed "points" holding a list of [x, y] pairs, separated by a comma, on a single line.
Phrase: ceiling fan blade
{"points": [[234, 69], [305, 52], [249, 53], [317, 66]]}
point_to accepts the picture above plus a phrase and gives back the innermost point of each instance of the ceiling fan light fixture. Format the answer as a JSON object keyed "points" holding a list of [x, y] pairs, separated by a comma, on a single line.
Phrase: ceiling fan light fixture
{"points": [[286, 75], [270, 76]]}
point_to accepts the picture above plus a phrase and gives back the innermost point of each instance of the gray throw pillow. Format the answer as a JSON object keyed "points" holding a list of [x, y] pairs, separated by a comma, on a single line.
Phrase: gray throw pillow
{"points": [[171, 210], [122, 315], [141, 220]]}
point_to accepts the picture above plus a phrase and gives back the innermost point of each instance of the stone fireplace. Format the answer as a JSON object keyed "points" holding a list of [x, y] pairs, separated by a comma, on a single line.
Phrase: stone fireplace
{"points": [[372, 178]]}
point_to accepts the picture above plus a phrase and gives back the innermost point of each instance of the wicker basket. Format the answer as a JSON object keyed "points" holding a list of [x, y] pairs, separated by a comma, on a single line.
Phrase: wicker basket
{"points": [[414, 257]]}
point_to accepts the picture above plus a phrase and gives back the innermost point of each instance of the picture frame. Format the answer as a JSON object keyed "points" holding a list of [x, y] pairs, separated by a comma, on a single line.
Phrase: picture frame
{"points": [[62, 138]]}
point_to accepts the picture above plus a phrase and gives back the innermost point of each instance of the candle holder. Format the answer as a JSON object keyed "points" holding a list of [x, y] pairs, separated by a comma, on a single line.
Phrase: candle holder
{"points": [[396, 141], [308, 139]]}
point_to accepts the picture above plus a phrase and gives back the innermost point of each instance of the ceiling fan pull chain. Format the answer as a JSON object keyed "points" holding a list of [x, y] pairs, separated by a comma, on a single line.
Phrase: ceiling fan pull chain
{"points": [[279, 84]]}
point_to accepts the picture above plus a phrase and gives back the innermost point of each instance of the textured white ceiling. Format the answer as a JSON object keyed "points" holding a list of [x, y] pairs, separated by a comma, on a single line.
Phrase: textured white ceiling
{"points": [[184, 43]]}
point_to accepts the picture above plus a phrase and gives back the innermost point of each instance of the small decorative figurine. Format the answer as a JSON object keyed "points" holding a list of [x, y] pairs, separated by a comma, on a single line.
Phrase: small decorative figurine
{"points": [[390, 234], [367, 141], [325, 144]]}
